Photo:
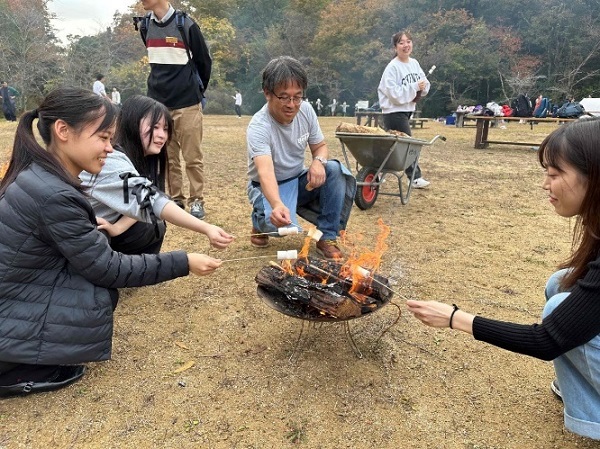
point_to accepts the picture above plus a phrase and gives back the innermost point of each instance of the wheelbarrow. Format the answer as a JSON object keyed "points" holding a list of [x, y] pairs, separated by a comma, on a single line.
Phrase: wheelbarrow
{"points": [[378, 155]]}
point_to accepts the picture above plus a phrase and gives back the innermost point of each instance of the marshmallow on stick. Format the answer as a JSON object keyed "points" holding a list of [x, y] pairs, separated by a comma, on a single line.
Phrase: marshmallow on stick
{"points": [[287, 255], [292, 230], [315, 234]]}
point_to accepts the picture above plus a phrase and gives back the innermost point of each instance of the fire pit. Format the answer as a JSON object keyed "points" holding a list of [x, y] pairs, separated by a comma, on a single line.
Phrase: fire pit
{"points": [[319, 290]]}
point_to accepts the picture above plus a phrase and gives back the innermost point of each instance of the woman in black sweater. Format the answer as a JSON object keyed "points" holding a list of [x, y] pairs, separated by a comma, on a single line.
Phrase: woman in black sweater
{"points": [[569, 333]]}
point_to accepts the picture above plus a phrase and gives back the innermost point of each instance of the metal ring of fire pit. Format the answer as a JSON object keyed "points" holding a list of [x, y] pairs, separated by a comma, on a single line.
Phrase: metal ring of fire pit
{"points": [[298, 310]]}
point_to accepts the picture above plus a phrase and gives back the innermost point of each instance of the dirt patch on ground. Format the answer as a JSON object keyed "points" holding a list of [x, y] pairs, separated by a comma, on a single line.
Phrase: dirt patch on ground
{"points": [[482, 236]]}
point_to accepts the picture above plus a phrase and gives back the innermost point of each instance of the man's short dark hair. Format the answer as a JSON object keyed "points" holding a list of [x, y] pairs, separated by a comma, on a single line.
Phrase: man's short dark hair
{"points": [[282, 71], [99, 76]]}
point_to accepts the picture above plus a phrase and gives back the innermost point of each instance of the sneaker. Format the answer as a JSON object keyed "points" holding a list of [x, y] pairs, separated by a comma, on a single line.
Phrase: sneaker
{"points": [[259, 241], [555, 389], [179, 203], [420, 183], [329, 249], [59, 377], [197, 210]]}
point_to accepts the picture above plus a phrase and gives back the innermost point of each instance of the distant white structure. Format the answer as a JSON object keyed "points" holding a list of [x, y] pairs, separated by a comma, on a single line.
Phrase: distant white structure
{"points": [[591, 106]]}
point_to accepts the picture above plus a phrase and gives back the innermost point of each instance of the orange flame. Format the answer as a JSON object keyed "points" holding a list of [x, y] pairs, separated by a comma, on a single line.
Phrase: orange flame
{"points": [[362, 259], [361, 265], [287, 267]]}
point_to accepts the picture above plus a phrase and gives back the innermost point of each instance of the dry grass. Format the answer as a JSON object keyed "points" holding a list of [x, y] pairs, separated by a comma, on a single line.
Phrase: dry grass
{"points": [[482, 236]]}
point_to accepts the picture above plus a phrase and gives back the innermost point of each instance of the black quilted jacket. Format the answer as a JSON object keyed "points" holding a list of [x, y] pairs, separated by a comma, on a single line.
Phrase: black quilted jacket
{"points": [[56, 270]]}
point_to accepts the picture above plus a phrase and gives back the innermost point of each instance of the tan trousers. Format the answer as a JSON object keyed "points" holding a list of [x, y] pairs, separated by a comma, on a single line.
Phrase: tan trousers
{"points": [[186, 141]]}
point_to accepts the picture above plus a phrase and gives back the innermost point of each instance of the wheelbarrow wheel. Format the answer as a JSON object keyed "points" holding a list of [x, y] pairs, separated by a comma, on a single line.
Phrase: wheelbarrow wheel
{"points": [[366, 195]]}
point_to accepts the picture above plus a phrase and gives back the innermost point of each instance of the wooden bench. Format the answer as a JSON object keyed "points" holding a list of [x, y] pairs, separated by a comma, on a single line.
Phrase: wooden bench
{"points": [[462, 117], [483, 127], [372, 118], [418, 121]]}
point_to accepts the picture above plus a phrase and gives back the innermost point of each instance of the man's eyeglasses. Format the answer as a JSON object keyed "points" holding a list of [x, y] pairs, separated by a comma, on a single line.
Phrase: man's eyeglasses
{"points": [[284, 99]]}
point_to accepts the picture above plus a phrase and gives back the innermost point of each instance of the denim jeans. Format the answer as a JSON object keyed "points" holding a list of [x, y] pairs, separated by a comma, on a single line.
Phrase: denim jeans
{"points": [[577, 373], [332, 212]]}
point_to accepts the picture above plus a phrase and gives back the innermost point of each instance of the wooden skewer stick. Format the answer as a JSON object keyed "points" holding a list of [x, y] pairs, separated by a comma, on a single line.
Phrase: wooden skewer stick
{"points": [[246, 258], [281, 255], [285, 230]]}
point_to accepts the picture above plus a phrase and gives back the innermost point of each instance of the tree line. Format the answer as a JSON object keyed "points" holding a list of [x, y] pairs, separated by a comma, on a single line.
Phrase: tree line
{"points": [[484, 50]]}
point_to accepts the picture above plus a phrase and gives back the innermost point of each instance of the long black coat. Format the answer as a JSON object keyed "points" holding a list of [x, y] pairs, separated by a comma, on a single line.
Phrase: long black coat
{"points": [[56, 270]]}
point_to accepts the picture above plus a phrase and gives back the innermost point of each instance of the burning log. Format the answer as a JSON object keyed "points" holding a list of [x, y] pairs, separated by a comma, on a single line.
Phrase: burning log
{"points": [[314, 290]]}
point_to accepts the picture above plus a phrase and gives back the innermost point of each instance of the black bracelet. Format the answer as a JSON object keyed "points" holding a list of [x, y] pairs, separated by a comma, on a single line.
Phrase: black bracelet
{"points": [[452, 314]]}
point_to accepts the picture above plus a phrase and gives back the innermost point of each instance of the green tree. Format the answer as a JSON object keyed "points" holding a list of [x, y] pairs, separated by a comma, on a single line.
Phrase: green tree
{"points": [[29, 55]]}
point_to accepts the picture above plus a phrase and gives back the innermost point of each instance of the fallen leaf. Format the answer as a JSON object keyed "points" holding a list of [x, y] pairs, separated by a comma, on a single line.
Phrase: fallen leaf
{"points": [[181, 345], [184, 367]]}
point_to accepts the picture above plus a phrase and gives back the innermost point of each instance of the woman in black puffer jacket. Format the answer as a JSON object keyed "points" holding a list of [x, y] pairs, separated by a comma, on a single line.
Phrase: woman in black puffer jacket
{"points": [[58, 274]]}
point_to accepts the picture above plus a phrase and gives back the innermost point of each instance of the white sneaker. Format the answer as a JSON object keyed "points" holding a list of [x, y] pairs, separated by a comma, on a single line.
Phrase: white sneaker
{"points": [[420, 183]]}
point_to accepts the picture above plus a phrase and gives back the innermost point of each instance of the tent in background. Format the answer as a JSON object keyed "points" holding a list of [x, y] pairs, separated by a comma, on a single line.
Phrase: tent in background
{"points": [[591, 106]]}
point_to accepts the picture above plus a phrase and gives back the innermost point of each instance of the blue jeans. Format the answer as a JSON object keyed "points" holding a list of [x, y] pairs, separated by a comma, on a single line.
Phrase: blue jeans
{"points": [[577, 373], [328, 204]]}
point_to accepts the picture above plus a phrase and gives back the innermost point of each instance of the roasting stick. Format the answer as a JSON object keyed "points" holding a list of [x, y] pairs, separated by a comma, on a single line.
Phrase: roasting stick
{"points": [[315, 234], [292, 230], [281, 255]]}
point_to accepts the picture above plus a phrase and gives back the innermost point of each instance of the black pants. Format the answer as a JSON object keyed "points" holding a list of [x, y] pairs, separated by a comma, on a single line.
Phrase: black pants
{"points": [[238, 110], [141, 238], [400, 121]]}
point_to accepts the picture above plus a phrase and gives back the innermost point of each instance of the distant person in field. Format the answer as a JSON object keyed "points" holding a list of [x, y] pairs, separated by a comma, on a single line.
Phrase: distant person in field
{"points": [[237, 105], [98, 86], [9, 94], [116, 96]]}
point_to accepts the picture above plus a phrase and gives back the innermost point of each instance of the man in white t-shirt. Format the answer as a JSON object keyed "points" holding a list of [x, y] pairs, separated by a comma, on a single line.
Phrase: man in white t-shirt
{"points": [[279, 184], [98, 86], [238, 103]]}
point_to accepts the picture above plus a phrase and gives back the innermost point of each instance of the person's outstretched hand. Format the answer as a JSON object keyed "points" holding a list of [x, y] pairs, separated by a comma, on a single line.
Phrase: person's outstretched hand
{"points": [[202, 265], [218, 237], [437, 314], [431, 313]]}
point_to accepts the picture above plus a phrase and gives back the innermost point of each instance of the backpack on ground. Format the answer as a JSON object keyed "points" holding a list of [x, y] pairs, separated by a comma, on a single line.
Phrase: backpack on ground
{"points": [[521, 106], [570, 110], [544, 109]]}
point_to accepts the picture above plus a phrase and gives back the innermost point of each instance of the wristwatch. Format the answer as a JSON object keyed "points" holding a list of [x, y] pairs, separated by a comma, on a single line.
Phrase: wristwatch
{"points": [[321, 159]]}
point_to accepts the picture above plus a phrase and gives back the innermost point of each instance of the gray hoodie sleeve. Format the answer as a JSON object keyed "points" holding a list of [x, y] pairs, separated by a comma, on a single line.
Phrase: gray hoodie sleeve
{"points": [[112, 196]]}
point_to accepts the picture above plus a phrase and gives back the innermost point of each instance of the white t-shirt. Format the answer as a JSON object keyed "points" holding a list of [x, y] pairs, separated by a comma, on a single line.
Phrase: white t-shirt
{"points": [[286, 144], [399, 85], [238, 99], [99, 88]]}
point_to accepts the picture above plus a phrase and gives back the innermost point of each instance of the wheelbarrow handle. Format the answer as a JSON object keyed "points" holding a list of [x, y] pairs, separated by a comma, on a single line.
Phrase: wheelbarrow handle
{"points": [[439, 136]]}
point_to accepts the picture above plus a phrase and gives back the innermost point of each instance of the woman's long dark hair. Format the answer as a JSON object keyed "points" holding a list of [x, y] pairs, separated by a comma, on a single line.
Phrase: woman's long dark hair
{"points": [[78, 108], [577, 144], [129, 140]]}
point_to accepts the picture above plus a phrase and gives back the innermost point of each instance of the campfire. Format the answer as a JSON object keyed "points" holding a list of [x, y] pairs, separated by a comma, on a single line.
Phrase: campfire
{"points": [[319, 290]]}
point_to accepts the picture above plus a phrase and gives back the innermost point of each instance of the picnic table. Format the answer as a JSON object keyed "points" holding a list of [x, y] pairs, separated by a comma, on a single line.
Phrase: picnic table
{"points": [[373, 118], [483, 127]]}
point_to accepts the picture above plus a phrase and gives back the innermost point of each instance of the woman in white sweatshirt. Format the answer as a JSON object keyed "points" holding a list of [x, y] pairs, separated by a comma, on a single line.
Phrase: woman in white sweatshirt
{"points": [[402, 84]]}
